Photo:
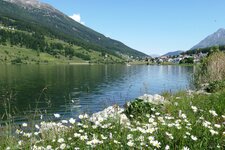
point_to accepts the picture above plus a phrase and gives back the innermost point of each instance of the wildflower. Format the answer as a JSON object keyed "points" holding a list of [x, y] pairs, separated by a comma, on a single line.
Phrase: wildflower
{"points": [[72, 121], [81, 116], [129, 136], [141, 138], [169, 135], [86, 116], [110, 135], [24, 124], [94, 126], [151, 138], [61, 140], [185, 148], [194, 108], [157, 113], [116, 142], [156, 144], [152, 109], [167, 147], [76, 148], [194, 138], [64, 121], [103, 137], [213, 132], [77, 135], [37, 127], [150, 120], [206, 124], [176, 103], [83, 137], [130, 143], [187, 133], [183, 116], [150, 130], [63, 146], [57, 115], [223, 116], [8, 148], [161, 119], [213, 112], [217, 126], [20, 143], [49, 147]]}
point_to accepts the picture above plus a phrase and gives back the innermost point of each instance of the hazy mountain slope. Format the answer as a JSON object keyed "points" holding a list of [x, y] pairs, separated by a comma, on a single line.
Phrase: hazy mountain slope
{"points": [[175, 53], [215, 39], [57, 24]]}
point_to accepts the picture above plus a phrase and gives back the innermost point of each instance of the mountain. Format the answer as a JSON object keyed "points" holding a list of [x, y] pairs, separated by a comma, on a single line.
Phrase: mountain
{"points": [[36, 17], [175, 53], [215, 39], [154, 55]]}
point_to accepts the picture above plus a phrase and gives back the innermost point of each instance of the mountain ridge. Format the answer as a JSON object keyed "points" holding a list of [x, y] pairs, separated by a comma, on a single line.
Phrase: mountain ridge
{"points": [[174, 53], [215, 39], [57, 24]]}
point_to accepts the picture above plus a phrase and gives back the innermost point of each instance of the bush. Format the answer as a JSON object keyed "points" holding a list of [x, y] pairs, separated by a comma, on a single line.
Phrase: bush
{"points": [[16, 61], [211, 69], [138, 108], [216, 86]]}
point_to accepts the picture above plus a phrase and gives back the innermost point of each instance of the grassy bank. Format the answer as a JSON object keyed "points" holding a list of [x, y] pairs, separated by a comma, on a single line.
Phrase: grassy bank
{"points": [[186, 121]]}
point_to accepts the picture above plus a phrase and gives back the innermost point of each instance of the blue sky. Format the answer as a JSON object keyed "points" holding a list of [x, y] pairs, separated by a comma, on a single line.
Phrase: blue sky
{"points": [[150, 26]]}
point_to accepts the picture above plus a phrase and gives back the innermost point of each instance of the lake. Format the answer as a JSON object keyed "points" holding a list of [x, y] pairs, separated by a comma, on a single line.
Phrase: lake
{"points": [[73, 89]]}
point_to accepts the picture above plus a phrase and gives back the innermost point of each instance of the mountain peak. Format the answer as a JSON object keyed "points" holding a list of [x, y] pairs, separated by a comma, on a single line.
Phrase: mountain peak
{"points": [[221, 30], [215, 39]]}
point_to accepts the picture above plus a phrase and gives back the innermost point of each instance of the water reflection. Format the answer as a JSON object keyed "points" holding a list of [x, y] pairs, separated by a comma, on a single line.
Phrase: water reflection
{"points": [[72, 89]]}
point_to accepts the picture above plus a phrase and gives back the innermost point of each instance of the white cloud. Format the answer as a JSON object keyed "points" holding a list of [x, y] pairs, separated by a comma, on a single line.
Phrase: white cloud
{"points": [[77, 18]]}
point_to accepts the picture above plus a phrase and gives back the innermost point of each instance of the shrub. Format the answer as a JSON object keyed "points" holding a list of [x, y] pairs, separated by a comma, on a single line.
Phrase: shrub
{"points": [[16, 61], [211, 69], [138, 108], [216, 86]]}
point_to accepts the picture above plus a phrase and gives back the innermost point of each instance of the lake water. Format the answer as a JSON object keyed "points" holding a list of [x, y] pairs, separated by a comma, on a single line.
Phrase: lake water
{"points": [[72, 89]]}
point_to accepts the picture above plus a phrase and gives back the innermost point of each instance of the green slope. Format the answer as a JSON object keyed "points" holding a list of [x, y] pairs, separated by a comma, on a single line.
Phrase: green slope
{"points": [[48, 21]]}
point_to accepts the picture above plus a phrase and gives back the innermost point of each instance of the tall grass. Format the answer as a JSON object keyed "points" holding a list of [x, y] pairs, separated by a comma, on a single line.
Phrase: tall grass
{"points": [[211, 69]]}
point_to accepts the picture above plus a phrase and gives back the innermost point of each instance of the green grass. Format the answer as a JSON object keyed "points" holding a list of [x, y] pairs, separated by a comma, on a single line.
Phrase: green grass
{"points": [[28, 56], [193, 121]]}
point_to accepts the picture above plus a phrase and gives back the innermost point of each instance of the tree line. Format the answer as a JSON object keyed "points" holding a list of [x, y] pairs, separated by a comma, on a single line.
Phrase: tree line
{"points": [[36, 41]]}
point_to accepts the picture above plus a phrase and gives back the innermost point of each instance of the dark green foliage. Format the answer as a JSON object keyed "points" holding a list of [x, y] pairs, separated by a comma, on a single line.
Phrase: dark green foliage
{"points": [[138, 108], [17, 61], [205, 50], [189, 60], [216, 86]]}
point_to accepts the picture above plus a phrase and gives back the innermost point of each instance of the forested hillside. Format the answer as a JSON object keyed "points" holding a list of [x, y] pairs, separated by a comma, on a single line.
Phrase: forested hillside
{"points": [[45, 29]]}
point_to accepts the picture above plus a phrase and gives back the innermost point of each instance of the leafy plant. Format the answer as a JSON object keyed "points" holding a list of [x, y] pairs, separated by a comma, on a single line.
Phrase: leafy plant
{"points": [[138, 108]]}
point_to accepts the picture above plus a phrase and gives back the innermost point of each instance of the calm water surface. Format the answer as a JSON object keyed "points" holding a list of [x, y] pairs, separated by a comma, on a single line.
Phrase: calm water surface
{"points": [[72, 89]]}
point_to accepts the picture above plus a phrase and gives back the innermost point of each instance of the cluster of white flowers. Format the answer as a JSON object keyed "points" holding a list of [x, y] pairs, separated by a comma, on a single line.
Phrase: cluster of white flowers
{"points": [[52, 127], [111, 126], [153, 99], [114, 112]]}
